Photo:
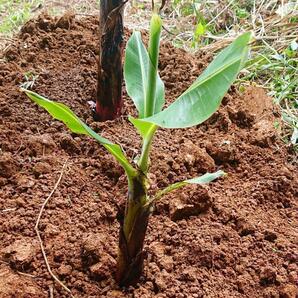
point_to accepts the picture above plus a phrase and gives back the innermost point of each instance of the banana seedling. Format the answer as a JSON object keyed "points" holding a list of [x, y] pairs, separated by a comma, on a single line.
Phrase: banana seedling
{"points": [[147, 91]]}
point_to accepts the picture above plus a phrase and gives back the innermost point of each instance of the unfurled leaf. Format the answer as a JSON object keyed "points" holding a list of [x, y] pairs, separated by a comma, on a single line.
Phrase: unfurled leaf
{"points": [[204, 96], [63, 113], [204, 179], [136, 74]]}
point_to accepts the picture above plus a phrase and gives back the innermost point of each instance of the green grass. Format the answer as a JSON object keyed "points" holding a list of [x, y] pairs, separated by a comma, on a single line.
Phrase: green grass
{"points": [[14, 14], [274, 56], [278, 73]]}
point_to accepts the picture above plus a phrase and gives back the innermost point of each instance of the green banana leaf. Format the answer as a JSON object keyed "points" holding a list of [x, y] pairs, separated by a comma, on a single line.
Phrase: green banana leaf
{"points": [[136, 70], [204, 179], [204, 96], [63, 113]]}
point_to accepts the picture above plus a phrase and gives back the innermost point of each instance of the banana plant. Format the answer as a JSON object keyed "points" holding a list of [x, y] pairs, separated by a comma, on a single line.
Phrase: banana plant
{"points": [[147, 91]]}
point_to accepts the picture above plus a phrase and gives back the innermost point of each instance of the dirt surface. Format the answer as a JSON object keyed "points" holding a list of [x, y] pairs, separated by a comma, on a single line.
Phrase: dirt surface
{"points": [[236, 237]]}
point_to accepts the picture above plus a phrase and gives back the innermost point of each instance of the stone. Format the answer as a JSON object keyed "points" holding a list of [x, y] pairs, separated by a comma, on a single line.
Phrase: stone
{"points": [[195, 156], [264, 134], [41, 168], [192, 205], [20, 254], [167, 263], [288, 291], [40, 144], [268, 276], [8, 165], [16, 285], [104, 268]]}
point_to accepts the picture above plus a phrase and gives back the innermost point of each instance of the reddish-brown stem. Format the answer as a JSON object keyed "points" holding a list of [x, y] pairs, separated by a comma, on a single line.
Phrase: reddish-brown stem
{"points": [[109, 87], [132, 235]]}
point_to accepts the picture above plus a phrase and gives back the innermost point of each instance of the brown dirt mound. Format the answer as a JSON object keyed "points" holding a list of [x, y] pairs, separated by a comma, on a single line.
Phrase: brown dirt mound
{"points": [[233, 238]]}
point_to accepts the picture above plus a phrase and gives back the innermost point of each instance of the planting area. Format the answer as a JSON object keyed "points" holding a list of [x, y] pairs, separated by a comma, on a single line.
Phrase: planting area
{"points": [[236, 237]]}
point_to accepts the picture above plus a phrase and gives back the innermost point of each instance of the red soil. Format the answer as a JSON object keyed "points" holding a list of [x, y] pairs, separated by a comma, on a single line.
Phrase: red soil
{"points": [[236, 237]]}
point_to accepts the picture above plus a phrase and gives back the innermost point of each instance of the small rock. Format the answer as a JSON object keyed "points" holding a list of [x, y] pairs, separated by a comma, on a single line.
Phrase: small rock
{"points": [[69, 144], [64, 270], [8, 165], [20, 254], [104, 268], [224, 152], [288, 291], [167, 263], [185, 206], [268, 276], [41, 144], [264, 134], [195, 156], [41, 168], [270, 235]]}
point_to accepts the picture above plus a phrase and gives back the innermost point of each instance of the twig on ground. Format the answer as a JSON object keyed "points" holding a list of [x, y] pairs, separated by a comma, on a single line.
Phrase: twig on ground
{"points": [[38, 232], [8, 210], [26, 274], [51, 292]]}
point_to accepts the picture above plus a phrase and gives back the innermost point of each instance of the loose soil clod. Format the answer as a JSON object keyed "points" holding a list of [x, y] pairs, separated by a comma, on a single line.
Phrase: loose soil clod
{"points": [[241, 243]]}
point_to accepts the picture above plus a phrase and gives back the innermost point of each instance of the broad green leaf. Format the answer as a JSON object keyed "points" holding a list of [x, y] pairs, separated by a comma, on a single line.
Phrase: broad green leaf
{"points": [[204, 96], [206, 178], [63, 113], [136, 69]]}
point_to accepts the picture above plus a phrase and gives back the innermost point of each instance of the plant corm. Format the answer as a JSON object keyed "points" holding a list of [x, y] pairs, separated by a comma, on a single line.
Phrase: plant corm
{"points": [[146, 89]]}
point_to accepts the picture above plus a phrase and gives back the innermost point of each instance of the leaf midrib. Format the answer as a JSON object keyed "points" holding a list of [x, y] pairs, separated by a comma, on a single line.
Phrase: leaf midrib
{"points": [[143, 76], [208, 77]]}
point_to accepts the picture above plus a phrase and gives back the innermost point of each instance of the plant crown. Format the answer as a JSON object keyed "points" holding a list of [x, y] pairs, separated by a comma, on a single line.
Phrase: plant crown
{"points": [[147, 91]]}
